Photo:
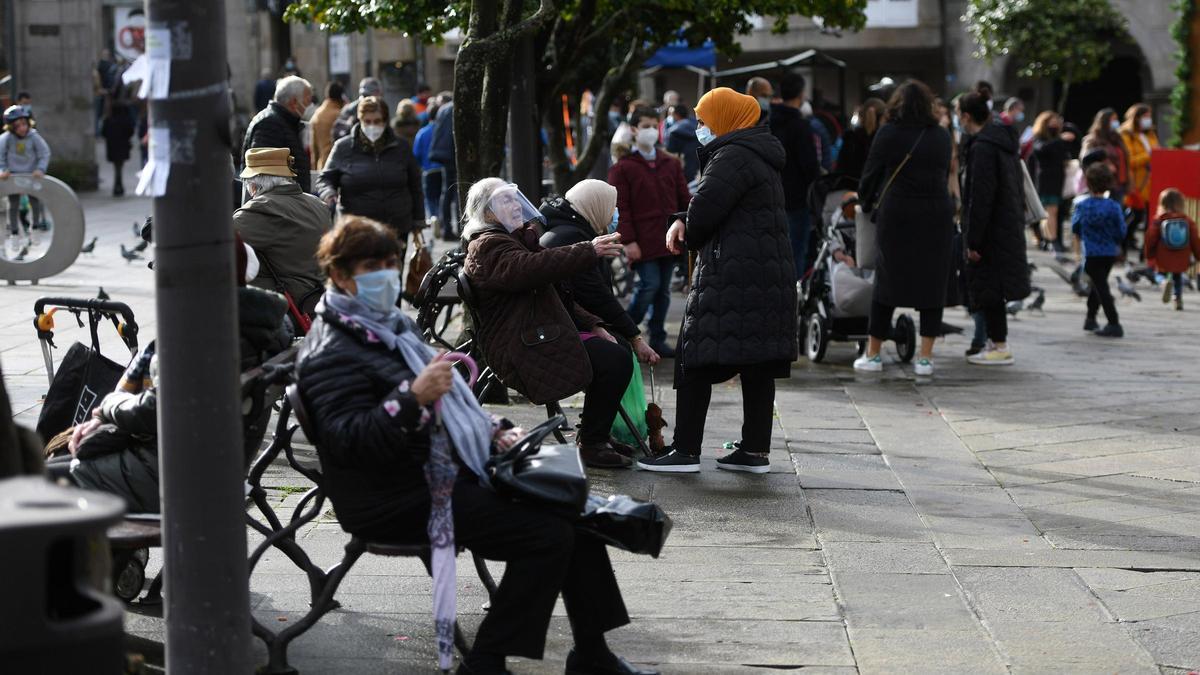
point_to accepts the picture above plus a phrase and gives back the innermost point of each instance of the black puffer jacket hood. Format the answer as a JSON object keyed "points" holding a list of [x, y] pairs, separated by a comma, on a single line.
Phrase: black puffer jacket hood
{"points": [[741, 310]]}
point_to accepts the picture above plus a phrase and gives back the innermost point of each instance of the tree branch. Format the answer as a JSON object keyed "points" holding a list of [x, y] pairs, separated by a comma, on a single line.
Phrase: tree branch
{"points": [[508, 35]]}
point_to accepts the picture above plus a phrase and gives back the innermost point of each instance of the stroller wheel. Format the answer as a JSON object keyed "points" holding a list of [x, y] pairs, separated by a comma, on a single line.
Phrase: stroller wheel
{"points": [[815, 338], [127, 582], [905, 336]]}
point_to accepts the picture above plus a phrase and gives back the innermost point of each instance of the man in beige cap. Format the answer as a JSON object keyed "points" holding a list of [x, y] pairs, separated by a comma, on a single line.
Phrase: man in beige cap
{"points": [[283, 225]]}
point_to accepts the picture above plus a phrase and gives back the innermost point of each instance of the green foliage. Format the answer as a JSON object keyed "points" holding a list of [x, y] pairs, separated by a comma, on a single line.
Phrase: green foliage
{"points": [[1181, 95], [1071, 40], [658, 21]]}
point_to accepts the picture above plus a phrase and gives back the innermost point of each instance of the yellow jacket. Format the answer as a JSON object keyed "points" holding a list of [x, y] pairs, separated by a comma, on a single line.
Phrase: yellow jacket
{"points": [[1138, 196], [322, 129]]}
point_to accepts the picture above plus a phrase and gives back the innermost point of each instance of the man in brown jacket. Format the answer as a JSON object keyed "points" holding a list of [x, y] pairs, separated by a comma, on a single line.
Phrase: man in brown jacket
{"points": [[283, 225], [322, 121]]}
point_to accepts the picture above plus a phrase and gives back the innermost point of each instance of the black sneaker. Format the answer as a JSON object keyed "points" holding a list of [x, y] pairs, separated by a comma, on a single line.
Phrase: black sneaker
{"points": [[1090, 325], [975, 348], [1112, 330], [672, 461], [609, 664], [738, 460]]}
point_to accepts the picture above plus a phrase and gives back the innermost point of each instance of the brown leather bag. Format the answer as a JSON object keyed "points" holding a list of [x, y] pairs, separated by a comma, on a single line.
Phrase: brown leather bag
{"points": [[419, 264]]}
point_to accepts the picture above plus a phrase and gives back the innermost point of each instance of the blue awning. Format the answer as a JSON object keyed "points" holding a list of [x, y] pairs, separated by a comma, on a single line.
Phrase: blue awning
{"points": [[680, 55]]}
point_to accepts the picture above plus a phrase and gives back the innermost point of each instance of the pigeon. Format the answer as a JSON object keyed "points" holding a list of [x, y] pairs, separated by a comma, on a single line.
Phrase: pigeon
{"points": [[141, 246], [90, 246], [128, 255], [1038, 302], [1032, 267], [1014, 307], [137, 230], [1127, 290], [102, 295], [24, 252]]}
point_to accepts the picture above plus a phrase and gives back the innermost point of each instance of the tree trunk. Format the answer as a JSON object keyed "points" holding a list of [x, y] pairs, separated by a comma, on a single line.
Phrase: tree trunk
{"points": [[1066, 90]]}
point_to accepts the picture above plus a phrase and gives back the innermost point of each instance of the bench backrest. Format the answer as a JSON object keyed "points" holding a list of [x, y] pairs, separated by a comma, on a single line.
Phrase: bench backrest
{"points": [[301, 415], [471, 302]]}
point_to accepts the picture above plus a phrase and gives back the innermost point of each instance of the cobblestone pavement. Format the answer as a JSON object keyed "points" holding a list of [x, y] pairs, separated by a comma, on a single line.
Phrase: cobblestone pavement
{"points": [[1039, 518]]}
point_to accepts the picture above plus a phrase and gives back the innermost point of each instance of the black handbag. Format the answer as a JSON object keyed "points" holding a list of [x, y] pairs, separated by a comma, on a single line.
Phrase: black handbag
{"points": [[83, 378], [548, 475], [627, 523]]}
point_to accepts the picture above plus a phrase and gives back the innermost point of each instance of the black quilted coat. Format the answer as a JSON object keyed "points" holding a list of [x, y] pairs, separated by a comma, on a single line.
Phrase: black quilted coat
{"points": [[372, 459], [741, 310], [993, 217]]}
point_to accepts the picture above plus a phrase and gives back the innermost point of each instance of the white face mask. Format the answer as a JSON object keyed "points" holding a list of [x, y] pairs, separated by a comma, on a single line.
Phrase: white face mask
{"points": [[308, 111], [646, 138], [704, 135], [372, 131], [1146, 123]]}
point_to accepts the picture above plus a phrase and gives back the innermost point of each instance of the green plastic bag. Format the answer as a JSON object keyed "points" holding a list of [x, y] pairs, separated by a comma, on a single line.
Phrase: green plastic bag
{"points": [[634, 404]]}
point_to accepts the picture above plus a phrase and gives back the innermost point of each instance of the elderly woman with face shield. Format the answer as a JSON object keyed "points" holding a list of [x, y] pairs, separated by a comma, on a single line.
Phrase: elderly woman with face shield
{"points": [[370, 385], [536, 338], [372, 173]]}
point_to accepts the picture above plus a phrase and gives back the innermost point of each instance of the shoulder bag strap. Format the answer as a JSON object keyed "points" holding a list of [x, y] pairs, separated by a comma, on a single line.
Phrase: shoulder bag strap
{"points": [[895, 173]]}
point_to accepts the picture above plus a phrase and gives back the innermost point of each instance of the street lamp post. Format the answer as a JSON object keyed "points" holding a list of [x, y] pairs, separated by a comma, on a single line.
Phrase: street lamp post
{"points": [[199, 422]]}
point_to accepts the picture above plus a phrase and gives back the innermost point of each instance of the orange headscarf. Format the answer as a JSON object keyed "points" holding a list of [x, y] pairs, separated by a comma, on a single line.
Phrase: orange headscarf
{"points": [[724, 110]]}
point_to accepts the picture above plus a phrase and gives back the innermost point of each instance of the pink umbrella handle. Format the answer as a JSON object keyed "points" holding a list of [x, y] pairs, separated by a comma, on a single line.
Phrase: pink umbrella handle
{"points": [[465, 359], [472, 371]]}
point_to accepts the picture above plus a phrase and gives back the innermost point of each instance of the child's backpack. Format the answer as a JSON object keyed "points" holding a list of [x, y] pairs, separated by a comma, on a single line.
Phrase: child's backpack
{"points": [[1175, 233]]}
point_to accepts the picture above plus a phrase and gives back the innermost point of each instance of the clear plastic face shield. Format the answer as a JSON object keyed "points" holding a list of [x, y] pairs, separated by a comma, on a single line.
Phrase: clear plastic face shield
{"points": [[510, 208]]}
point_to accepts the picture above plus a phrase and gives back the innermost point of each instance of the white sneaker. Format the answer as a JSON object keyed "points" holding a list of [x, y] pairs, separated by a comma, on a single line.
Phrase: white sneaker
{"points": [[991, 357], [869, 364], [923, 367]]}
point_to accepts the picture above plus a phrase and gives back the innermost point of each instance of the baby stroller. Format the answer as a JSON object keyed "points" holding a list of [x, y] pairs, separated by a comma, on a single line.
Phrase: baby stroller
{"points": [[835, 298]]}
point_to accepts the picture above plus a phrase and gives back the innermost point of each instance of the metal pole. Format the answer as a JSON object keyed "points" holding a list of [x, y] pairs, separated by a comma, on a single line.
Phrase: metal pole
{"points": [[525, 155], [199, 423], [10, 36]]}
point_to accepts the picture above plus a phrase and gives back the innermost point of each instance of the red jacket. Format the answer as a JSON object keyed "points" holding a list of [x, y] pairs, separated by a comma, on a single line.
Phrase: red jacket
{"points": [[1167, 260], [648, 194]]}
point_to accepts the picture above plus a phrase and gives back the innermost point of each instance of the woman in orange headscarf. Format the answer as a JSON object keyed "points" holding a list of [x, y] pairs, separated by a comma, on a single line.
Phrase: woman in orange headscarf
{"points": [[740, 316]]}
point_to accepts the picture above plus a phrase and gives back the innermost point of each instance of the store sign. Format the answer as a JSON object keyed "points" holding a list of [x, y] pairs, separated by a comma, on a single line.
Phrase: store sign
{"points": [[339, 54], [129, 31], [892, 13]]}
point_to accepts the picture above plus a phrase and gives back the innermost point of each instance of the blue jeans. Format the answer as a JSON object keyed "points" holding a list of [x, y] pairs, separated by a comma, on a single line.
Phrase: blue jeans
{"points": [[799, 227], [653, 290]]}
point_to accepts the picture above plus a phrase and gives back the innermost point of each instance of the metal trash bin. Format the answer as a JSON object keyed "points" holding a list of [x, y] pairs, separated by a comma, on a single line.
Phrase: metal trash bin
{"points": [[57, 615]]}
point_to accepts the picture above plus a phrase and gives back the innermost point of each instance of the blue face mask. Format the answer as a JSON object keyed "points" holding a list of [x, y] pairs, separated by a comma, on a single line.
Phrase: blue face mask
{"points": [[379, 289], [612, 226], [1019, 117], [704, 135]]}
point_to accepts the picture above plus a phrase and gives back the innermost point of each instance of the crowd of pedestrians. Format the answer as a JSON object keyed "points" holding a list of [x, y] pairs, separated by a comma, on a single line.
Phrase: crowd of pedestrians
{"points": [[722, 196]]}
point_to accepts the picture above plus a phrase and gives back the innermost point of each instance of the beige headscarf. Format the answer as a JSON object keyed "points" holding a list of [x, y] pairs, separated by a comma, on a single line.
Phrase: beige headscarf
{"points": [[595, 201]]}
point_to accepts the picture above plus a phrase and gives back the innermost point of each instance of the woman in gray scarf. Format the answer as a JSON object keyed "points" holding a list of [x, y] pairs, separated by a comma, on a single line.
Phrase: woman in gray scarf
{"points": [[369, 383]]}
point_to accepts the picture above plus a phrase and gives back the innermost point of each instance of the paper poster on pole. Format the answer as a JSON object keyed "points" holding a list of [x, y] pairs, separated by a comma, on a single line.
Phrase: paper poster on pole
{"points": [[339, 54], [129, 31]]}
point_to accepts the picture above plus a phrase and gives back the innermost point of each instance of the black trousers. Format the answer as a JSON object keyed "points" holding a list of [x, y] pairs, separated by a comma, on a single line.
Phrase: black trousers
{"points": [[995, 319], [612, 366], [880, 322], [758, 411], [1097, 268], [544, 555]]}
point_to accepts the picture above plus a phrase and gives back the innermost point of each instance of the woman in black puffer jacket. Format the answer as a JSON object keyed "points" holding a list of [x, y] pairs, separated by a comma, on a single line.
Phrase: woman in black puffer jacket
{"points": [[372, 173], [740, 316], [372, 413]]}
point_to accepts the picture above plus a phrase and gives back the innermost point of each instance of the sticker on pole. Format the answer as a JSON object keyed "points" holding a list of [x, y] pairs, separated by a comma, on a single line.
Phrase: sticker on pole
{"points": [[153, 182]]}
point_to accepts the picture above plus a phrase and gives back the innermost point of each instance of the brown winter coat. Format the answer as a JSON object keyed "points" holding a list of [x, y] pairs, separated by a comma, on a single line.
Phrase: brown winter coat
{"points": [[530, 328]]}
